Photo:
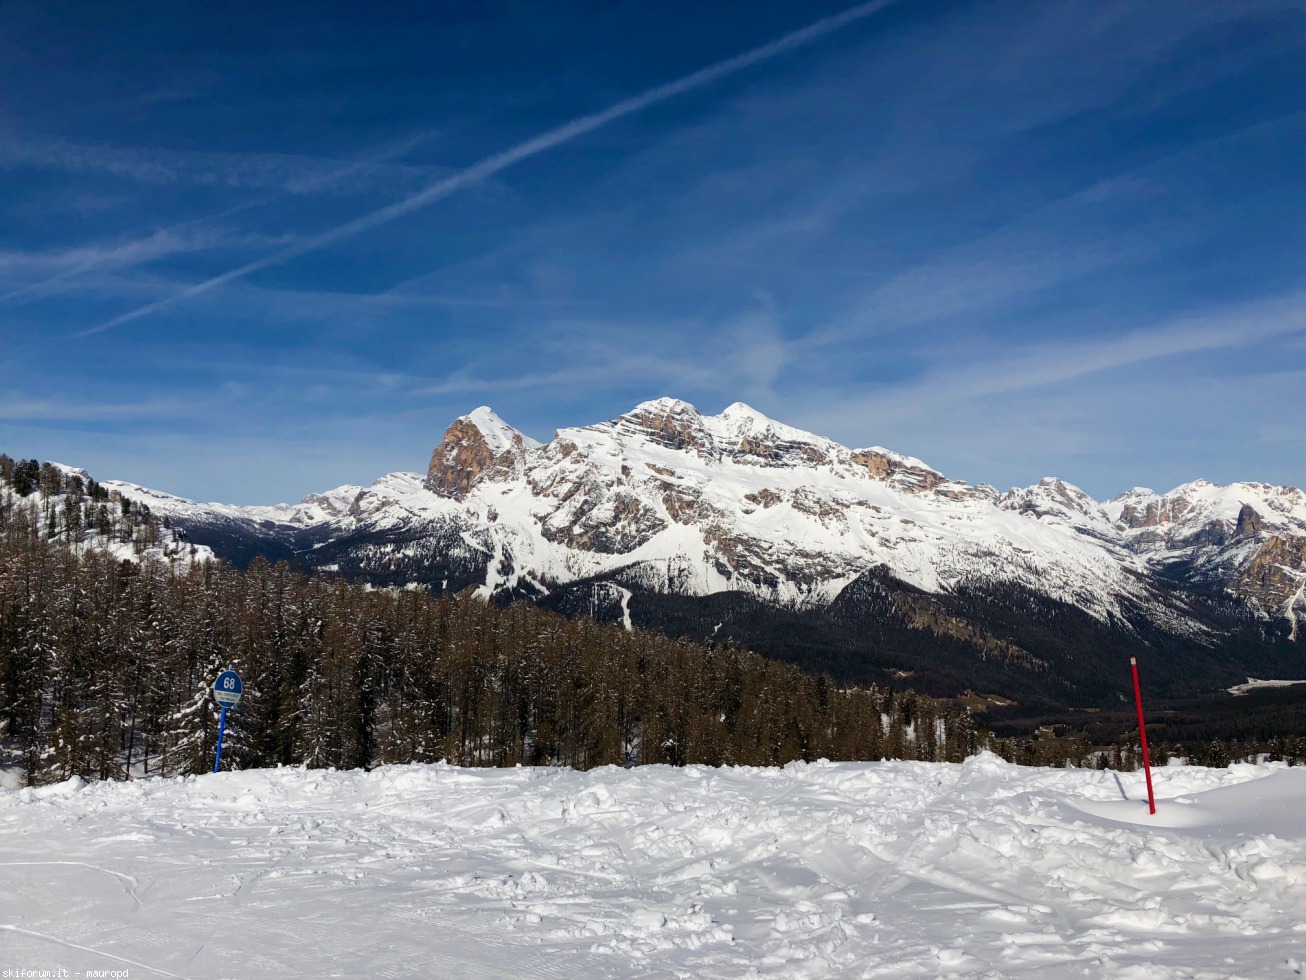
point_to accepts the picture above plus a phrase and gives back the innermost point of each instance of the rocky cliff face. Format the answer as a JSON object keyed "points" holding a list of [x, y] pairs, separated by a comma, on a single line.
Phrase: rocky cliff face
{"points": [[1247, 538], [473, 446], [1275, 576], [741, 502], [665, 500]]}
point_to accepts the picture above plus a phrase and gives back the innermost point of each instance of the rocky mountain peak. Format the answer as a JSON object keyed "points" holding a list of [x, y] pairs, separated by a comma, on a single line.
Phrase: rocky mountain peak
{"points": [[902, 472], [740, 410], [741, 419], [1055, 502], [1249, 522], [667, 499], [667, 422], [1052, 497], [474, 444], [497, 433], [1140, 507], [664, 405], [748, 436]]}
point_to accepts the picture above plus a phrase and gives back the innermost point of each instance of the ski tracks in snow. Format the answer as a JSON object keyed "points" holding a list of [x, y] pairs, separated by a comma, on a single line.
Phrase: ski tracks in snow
{"points": [[877, 869]]}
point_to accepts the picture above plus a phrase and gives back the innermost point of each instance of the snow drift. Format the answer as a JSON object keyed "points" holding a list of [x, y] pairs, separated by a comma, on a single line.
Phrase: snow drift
{"points": [[868, 869]]}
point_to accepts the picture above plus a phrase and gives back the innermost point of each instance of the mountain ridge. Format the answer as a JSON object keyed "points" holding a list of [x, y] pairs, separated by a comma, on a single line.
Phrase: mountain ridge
{"points": [[664, 502]]}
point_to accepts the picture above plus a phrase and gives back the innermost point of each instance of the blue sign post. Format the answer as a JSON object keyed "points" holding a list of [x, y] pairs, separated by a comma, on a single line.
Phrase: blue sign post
{"points": [[226, 691]]}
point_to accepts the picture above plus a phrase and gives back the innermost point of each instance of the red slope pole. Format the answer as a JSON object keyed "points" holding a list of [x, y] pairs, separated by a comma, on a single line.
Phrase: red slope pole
{"points": [[1142, 734]]}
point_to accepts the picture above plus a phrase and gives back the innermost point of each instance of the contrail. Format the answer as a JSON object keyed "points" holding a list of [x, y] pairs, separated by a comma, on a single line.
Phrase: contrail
{"points": [[51, 285], [492, 165]]}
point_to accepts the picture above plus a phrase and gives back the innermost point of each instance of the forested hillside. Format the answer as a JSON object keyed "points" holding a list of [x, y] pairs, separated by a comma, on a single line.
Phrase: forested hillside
{"points": [[106, 662], [74, 509]]}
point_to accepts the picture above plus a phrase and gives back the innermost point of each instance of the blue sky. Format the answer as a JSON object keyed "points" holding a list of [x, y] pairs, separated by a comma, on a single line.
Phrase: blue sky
{"points": [[248, 251]]}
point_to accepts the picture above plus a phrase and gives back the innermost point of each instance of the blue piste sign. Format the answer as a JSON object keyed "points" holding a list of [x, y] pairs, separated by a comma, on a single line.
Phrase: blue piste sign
{"points": [[226, 691], [227, 688]]}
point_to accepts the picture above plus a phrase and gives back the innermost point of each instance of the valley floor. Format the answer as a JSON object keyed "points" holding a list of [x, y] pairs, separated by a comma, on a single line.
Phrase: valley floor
{"points": [[889, 869]]}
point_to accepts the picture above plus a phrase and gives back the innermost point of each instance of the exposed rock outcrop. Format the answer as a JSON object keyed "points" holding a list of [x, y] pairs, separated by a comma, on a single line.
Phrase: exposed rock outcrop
{"points": [[473, 445], [884, 466], [1274, 574], [1249, 522], [739, 502]]}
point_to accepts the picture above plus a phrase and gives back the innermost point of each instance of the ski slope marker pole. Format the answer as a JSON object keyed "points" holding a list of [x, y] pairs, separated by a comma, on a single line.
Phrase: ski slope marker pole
{"points": [[227, 690], [222, 727], [1142, 734]]}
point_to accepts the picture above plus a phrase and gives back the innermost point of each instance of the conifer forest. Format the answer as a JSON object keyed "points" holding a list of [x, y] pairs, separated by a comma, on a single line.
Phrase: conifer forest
{"points": [[112, 629]]}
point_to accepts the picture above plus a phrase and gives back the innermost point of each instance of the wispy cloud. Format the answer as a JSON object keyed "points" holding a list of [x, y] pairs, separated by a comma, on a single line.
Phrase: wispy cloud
{"points": [[56, 270], [498, 162], [965, 233], [1023, 257], [1087, 231], [743, 355], [281, 172], [198, 234], [943, 387], [39, 410], [1048, 364]]}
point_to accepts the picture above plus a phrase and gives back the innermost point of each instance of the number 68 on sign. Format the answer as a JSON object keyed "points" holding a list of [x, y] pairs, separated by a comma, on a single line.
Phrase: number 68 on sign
{"points": [[227, 689]]}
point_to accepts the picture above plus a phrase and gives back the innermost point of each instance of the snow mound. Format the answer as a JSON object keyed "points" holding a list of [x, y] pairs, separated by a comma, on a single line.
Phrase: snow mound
{"points": [[1255, 684], [865, 869]]}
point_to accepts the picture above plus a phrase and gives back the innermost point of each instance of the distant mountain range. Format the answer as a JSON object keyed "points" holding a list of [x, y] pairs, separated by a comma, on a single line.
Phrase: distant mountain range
{"points": [[863, 562]]}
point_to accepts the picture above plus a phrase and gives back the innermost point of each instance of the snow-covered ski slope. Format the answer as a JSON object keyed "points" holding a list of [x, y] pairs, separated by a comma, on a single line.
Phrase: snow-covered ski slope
{"points": [[888, 869]]}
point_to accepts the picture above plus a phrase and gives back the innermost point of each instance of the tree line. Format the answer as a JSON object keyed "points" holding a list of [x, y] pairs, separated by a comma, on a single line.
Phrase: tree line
{"points": [[106, 666], [1126, 754], [74, 508]]}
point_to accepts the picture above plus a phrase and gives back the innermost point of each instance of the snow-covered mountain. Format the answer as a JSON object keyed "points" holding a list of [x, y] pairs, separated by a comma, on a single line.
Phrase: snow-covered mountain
{"points": [[671, 508]]}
